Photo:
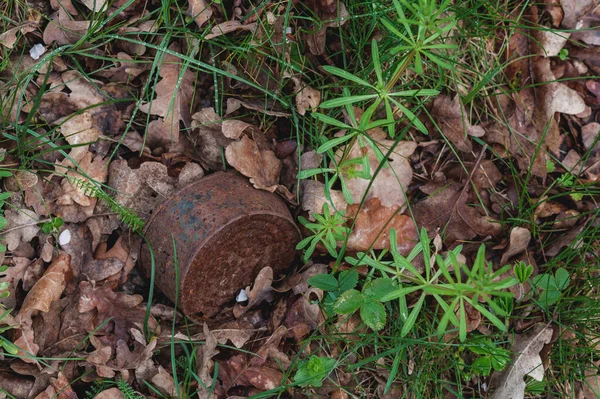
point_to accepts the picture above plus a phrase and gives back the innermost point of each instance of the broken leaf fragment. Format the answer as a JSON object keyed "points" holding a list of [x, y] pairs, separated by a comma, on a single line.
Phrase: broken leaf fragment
{"points": [[510, 383]]}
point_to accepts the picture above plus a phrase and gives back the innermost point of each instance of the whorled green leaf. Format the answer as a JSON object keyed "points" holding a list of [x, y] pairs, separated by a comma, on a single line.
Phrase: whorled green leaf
{"points": [[373, 314], [349, 302]]}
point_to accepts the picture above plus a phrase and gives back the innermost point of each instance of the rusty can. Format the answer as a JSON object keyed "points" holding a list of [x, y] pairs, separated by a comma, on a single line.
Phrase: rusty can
{"points": [[224, 231]]}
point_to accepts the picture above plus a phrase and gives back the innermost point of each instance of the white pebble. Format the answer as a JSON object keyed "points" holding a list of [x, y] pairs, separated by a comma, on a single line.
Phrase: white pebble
{"points": [[241, 297], [37, 50], [65, 237]]}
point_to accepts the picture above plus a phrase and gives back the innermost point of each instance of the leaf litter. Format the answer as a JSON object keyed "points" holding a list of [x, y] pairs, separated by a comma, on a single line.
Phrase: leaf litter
{"points": [[100, 128]]}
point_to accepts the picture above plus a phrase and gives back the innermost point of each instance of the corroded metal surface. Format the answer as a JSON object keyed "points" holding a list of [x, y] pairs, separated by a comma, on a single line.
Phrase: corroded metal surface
{"points": [[224, 231]]}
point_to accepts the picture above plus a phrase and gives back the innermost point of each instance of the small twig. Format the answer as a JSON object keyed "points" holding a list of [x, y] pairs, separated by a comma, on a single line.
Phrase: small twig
{"points": [[24, 225]]}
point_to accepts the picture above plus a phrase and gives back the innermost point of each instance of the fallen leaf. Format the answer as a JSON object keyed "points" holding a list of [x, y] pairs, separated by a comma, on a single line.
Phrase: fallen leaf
{"points": [[261, 166], [119, 253], [437, 212], [9, 37], [574, 10], [142, 190], [124, 311], [99, 357], [96, 5], [329, 18], [200, 11], [233, 128], [392, 181], [307, 98], [313, 198], [518, 242], [591, 387], [164, 382], [264, 378], [227, 27], [261, 291], [63, 30], [555, 98], [16, 385], [454, 122], [49, 287], [372, 225], [21, 226], [526, 361], [173, 99], [111, 393], [204, 355], [13, 276]]}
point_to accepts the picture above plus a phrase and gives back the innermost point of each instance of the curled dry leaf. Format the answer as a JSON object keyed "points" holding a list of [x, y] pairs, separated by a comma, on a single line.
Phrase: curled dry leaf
{"points": [[200, 11], [261, 166], [510, 382], [261, 291], [454, 123], [49, 287], [116, 254], [519, 239], [99, 357]]}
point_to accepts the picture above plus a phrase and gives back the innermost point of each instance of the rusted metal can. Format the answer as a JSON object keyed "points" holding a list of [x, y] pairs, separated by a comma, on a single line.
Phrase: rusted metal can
{"points": [[224, 231]]}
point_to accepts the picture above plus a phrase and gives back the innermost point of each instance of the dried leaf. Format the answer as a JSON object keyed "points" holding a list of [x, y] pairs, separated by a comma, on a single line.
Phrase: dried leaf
{"points": [[48, 288], [373, 223], [124, 310], [172, 102], [519, 239], [574, 10], [200, 11], [555, 97], [313, 198], [307, 98], [204, 355], [9, 37], [261, 291], [510, 382], [62, 29], [261, 166], [164, 382], [454, 123], [21, 227], [12, 276], [111, 393], [392, 181], [229, 26], [96, 5]]}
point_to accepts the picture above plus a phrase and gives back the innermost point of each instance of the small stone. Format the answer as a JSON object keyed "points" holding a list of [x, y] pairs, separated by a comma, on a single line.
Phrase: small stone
{"points": [[65, 237], [37, 50], [242, 296]]}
